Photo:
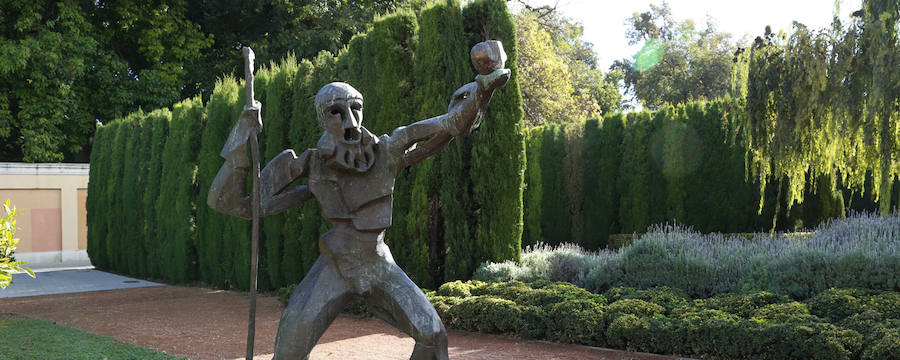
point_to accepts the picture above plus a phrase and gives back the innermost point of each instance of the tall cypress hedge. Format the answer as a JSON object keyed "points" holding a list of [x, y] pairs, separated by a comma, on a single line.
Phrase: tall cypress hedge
{"points": [[159, 121], [134, 177], [174, 208], [438, 191], [214, 239], [276, 117], [602, 152], [113, 243], [556, 222], [97, 214], [460, 208], [394, 38], [498, 147], [533, 194]]}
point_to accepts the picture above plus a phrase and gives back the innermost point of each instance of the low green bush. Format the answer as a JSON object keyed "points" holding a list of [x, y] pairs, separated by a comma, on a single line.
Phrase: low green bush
{"points": [[667, 297], [743, 305], [576, 321], [886, 347], [837, 304], [759, 325]]}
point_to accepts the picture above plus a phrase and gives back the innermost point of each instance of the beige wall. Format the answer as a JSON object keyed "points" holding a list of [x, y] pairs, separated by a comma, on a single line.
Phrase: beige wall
{"points": [[51, 198]]}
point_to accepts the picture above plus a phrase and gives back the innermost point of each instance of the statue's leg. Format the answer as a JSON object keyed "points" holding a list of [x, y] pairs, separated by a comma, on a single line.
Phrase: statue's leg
{"points": [[397, 300], [314, 305]]}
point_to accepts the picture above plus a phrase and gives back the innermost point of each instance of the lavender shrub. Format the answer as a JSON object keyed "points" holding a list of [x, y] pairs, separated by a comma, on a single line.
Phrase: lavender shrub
{"points": [[860, 251]]}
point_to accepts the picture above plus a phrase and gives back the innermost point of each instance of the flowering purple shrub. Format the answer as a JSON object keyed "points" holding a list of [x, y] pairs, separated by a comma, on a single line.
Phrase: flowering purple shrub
{"points": [[862, 251]]}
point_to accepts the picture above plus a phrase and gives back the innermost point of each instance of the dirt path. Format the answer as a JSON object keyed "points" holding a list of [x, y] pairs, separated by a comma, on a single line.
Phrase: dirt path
{"points": [[212, 324]]}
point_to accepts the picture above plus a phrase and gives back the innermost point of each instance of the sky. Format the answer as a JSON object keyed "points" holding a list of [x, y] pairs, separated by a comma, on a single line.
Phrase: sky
{"points": [[604, 20]]}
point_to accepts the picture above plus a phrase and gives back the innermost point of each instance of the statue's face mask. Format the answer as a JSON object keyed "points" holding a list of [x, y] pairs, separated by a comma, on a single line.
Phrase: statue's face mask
{"points": [[346, 143]]}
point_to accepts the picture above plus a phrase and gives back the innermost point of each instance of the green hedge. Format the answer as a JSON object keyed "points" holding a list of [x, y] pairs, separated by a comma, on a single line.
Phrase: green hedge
{"points": [[664, 320], [674, 165], [151, 171]]}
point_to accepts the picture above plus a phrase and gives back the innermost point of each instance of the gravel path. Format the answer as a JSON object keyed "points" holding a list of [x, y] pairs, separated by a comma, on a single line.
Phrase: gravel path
{"points": [[212, 324]]}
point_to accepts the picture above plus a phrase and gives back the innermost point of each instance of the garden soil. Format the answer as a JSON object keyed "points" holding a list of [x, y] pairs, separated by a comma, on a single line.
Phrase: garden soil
{"points": [[203, 323]]}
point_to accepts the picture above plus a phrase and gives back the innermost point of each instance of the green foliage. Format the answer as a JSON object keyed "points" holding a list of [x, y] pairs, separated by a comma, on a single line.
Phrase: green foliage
{"points": [[277, 116], [159, 121], [215, 241], [8, 264], [559, 79], [446, 200], [79, 62], [498, 150], [860, 251], [678, 62], [555, 216], [533, 195], [825, 103], [602, 153], [43, 117], [437, 200], [95, 203], [28, 338], [177, 194], [664, 321]]}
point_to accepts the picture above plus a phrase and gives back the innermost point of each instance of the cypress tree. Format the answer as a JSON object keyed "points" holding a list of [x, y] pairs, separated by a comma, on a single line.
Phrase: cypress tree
{"points": [[498, 150], [555, 218], [300, 249], [115, 228], [634, 211], [394, 38], [174, 208], [95, 203], [276, 118], [533, 193], [435, 202], [214, 253], [304, 225], [134, 179], [354, 66], [159, 120], [602, 153], [574, 169]]}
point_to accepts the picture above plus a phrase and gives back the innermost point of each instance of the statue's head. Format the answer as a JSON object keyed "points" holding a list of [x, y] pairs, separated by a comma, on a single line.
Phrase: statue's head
{"points": [[339, 111], [345, 141]]}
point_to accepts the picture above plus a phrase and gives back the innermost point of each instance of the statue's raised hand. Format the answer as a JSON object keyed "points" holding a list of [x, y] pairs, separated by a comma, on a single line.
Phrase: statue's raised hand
{"points": [[251, 117]]}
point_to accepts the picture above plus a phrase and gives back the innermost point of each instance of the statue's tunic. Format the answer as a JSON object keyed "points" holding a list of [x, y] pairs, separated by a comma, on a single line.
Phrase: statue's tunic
{"points": [[359, 206]]}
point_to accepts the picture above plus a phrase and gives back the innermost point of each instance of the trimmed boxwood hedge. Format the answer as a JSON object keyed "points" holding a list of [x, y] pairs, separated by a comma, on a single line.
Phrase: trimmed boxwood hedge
{"points": [[835, 324]]}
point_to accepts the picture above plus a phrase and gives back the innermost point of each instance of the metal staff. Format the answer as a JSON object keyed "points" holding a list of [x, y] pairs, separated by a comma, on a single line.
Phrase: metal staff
{"points": [[254, 235]]}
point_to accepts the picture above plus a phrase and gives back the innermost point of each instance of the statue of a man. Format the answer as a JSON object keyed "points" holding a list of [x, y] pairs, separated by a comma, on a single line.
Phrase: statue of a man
{"points": [[351, 173]]}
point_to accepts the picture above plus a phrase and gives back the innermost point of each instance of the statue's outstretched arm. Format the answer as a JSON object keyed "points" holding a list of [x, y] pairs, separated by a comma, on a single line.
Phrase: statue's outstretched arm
{"points": [[467, 107], [228, 192]]}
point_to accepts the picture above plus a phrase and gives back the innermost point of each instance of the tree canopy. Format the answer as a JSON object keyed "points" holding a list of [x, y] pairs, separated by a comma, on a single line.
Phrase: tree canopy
{"points": [[72, 63], [678, 62], [560, 81]]}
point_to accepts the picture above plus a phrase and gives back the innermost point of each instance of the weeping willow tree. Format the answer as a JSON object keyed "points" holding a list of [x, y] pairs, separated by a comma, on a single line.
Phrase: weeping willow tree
{"points": [[825, 104]]}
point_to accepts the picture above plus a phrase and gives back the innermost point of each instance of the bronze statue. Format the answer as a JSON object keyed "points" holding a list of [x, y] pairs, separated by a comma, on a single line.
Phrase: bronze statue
{"points": [[351, 173]]}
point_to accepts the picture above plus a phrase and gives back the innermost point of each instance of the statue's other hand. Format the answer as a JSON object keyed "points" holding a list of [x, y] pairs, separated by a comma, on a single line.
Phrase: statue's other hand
{"points": [[496, 79], [251, 116]]}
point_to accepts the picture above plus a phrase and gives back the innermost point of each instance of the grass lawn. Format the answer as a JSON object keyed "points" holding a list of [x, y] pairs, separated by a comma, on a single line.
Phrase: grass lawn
{"points": [[28, 338]]}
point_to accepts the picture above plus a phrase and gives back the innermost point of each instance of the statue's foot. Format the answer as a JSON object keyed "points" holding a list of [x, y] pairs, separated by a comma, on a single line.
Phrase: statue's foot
{"points": [[425, 352]]}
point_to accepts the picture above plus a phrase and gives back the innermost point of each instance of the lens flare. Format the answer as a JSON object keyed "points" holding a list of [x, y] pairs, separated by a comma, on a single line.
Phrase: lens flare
{"points": [[649, 55]]}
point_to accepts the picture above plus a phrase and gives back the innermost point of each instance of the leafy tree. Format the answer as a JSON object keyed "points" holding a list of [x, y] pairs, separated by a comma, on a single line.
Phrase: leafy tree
{"points": [[560, 81], [274, 28], [678, 62], [825, 103], [46, 48]]}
